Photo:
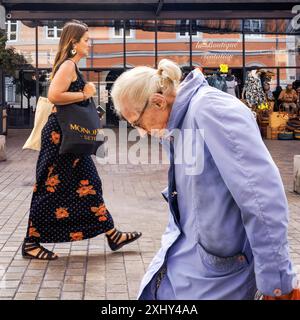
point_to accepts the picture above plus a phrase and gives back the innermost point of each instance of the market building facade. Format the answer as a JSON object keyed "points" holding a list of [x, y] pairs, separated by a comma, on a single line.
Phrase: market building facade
{"points": [[242, 35]]}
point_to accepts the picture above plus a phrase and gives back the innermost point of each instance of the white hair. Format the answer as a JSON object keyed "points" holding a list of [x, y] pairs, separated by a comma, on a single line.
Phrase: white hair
{"points": [[138, 84]]}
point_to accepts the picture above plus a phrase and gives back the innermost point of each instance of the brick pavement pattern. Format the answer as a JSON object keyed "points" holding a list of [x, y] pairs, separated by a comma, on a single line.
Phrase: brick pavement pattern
{"points": [[89, 269]]}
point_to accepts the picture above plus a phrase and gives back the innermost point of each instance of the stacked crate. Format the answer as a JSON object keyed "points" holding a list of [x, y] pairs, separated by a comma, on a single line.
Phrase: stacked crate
{"points": [[277, 124], [272, 133]]}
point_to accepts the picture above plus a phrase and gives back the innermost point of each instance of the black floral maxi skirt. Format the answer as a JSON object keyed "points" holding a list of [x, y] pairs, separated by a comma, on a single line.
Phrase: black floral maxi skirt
{"points": [[67, 203]]}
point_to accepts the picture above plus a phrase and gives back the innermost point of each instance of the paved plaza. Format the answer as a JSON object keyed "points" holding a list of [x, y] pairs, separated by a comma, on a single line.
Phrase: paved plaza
{"points": [[89, 269]]}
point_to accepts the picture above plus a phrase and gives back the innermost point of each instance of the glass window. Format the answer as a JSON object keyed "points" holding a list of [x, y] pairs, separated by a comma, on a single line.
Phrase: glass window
{"points": [[118, 29], [288, 76], [13, 27], [53, 29], [184, 28], [11, 30], [252, 25], [50, 33], [272, 26], [58, 32], [219, 26]]}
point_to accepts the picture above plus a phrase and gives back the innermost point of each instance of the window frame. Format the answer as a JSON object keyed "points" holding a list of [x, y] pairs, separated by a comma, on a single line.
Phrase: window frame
{"points": [[187, 33], [55, 28], [113, 32], [9, 32]]}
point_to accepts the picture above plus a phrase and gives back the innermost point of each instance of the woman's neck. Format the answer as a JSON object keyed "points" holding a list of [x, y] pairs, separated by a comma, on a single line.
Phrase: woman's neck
{"points": [[75, 59]]}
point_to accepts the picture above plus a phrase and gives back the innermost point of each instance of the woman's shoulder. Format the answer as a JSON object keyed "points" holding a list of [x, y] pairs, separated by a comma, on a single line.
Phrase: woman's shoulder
{"points": [[67, 65]]}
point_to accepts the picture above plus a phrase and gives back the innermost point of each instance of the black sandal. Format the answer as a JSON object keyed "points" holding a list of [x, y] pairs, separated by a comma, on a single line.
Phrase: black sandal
{"points": [[43, 253], [116, 235]]}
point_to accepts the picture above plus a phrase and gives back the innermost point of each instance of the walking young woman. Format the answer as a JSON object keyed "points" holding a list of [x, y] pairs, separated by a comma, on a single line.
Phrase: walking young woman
{"points": [[67, 202]]}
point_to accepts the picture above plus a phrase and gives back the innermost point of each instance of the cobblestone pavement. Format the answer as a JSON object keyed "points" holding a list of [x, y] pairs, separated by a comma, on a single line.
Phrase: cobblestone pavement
{"points": [[88, 269]]}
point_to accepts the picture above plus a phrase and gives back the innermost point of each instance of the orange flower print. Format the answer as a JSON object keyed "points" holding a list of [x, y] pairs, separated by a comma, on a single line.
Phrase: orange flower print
{"points": [[52, 182], [76, 236], [85, 189], [33, 232], [75, 162], [84, 182], [61, 213], [35, 187], [100, 211], [55, 137]]}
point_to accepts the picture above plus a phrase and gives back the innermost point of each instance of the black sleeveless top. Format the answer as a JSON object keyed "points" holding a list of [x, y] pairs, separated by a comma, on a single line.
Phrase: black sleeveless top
{"points": [[78, 84]]}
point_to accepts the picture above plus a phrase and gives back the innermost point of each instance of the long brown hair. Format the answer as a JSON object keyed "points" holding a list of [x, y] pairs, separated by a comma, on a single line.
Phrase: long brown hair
{"points": [[72, 32]]}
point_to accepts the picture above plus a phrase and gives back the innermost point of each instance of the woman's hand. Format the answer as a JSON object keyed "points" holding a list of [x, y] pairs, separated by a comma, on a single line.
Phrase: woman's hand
{"points": [[89, 90]]}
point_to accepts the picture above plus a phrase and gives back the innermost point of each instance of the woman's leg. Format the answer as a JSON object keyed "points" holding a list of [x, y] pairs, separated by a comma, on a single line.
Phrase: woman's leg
{"points": [[116, 239], [31, 247]]}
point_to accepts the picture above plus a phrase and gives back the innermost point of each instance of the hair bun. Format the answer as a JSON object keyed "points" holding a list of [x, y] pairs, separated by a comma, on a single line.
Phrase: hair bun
{"points": [[168, 69]]}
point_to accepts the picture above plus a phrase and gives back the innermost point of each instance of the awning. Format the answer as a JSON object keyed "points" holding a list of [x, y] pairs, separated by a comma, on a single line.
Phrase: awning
{"points": [[148, 9]]}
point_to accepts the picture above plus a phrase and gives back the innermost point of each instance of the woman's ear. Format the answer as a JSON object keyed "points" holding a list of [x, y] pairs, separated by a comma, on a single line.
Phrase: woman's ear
{"points": [[158, 100]]}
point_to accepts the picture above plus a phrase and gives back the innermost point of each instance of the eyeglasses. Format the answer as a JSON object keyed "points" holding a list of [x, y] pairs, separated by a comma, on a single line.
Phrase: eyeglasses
{"points": [[136, 124]]}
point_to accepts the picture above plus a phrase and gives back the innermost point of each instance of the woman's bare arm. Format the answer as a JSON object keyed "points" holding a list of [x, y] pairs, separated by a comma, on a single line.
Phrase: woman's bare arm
{"points": [[57, 93]]}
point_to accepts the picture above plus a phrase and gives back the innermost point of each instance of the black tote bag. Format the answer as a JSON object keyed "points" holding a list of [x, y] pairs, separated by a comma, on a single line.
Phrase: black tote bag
{"points": [[80, 126]]}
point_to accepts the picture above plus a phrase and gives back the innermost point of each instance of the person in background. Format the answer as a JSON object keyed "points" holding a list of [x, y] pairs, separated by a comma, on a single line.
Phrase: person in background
{"points": [[218, 81], [296, 84], [276, 94], [289, 98], [231, 83], [298, 100], [269, 95]]}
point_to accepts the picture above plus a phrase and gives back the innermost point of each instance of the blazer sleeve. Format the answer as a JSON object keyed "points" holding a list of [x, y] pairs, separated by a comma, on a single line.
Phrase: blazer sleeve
{"points": [[247, 168]]}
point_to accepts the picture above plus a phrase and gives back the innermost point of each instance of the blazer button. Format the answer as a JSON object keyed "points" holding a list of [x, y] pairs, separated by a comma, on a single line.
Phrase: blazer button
{"points": [[241, 258], [277, 292], [174, 193]]}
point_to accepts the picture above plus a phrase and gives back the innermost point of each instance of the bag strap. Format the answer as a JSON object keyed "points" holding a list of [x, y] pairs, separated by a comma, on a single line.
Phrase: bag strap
{"points": [[78, 72], [80, 76]]}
